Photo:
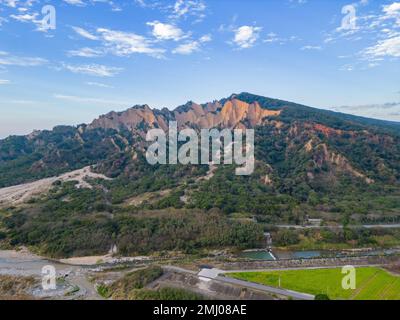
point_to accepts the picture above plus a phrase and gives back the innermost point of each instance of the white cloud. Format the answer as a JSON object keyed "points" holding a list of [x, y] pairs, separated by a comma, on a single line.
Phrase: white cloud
{"points": [[8, 60], [26, 17], [119, 43], [75, 2], [163, 31], [141, 3], [83, 33], [205, 38], [386, 111], [187, 48], [98, 84], [9, 3], [149, 4], [85, 53], [274, 38], [380, 28], [392, 9], [183, 8], [386, 26], [179, 9], [347, 67], [22, 13], [88, 99], [96, 70], [299, 1], [81, 3], [192, 46], [318, 48], [126, 43], [246, 36], [2, 20], [3, 81], [384, 48]]}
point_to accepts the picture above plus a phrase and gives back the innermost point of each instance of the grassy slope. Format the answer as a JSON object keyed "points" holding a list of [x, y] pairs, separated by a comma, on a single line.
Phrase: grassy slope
{"points": [[372, 283], [132, 286]]}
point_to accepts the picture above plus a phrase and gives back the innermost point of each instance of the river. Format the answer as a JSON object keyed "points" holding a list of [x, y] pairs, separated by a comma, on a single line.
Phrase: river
{"points": [[23, 263]]}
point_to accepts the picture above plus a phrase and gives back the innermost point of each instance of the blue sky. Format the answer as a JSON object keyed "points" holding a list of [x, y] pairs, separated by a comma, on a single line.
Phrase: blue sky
{"points": [[109, 55]]}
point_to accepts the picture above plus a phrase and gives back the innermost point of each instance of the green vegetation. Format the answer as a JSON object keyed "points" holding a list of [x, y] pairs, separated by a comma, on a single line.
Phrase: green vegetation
{"points": [[308, 183], [298, 112], [103, 291], [167, 293], [12, 287], [321, 297], [132, 287], [371, 283], [329, 239], [135, 280], [48, 153], [72, 291], [73, 222], [310, 164]]}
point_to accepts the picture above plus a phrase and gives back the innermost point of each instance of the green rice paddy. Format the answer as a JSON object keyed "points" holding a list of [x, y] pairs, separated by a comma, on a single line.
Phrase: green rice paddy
{"points": [[371, 283]]}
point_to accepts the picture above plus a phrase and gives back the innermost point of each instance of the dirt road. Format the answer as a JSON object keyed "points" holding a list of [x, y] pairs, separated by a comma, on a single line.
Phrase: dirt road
{"points": [[23, 192]]}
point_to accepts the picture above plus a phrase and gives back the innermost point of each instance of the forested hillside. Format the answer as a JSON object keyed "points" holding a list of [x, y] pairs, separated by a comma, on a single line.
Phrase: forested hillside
{"points": [[309, 163]]}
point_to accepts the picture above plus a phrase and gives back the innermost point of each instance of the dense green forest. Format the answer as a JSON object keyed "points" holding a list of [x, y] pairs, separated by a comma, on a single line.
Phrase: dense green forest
{"points": [[73, 222]]}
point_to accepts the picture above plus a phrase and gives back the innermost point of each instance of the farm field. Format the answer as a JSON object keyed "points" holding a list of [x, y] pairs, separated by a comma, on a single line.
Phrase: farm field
{"points": [[372, 283]]}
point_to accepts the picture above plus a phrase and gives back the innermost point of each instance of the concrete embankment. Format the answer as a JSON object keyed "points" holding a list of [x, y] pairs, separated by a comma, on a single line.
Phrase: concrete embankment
{"points": [[210, 288], [307, 263]]}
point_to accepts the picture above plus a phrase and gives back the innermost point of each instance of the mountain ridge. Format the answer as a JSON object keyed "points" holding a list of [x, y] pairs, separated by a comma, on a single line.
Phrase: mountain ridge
{"points": [[271, 104], [309, 163], [232, 113], [267, 103], [66, 148]]}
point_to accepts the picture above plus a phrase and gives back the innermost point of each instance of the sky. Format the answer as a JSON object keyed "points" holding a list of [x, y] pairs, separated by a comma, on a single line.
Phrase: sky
{"points": [[68, 61]]}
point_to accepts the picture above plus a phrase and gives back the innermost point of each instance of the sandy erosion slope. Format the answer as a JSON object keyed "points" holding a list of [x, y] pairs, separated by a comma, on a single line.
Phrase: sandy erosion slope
{"points": [[23, 192]]}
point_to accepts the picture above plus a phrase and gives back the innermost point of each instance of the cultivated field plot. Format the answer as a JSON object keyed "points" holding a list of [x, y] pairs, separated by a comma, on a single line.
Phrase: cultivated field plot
{"points": [[372, 283]]}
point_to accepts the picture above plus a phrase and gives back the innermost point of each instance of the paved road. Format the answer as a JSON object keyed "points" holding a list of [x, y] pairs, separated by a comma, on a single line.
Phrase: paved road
{"points": [[367, 226], [385, 226], [260, 287], [282, 292]]}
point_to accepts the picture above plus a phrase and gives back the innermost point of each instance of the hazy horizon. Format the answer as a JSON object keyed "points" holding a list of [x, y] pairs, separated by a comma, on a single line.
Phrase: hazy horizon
{"points": [[51, 125]]}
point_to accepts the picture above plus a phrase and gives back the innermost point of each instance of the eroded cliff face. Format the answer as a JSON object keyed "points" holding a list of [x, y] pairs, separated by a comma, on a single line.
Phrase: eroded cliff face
{"points": [[314, 141], [322, 155], [130, 119], [311, 140], [294, 144], [233, 114]]}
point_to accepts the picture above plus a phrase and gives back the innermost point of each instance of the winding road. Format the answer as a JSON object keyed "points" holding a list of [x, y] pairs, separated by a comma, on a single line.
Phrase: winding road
{"points": [[366, 226], [273, 290]]}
